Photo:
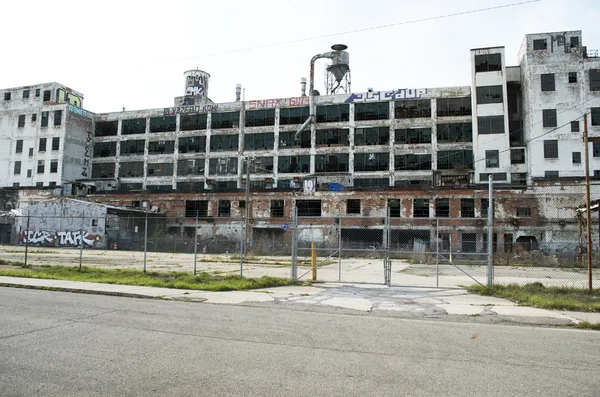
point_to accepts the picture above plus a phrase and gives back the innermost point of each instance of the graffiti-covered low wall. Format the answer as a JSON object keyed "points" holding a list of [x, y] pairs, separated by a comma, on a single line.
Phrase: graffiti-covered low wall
{"points": [[65, 238]]}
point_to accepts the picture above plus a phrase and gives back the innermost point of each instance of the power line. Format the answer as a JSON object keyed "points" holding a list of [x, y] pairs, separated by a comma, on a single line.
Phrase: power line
{"points": [[360, 30]]}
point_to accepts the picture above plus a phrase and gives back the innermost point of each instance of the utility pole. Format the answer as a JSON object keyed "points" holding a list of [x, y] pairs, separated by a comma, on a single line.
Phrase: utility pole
{"points": [[588, 214]]}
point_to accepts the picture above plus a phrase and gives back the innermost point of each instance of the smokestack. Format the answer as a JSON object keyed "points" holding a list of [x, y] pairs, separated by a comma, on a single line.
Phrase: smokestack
{"points": [[238, 92], [303, 86]]}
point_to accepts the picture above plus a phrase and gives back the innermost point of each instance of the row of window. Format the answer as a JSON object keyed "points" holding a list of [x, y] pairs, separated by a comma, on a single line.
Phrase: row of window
{"points": [[44, 119], [551, 151], [27, 93], [41, 168], [42, 145]]}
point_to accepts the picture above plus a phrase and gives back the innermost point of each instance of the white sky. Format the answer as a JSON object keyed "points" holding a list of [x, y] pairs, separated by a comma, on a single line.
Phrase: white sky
{"points": [[133, 54]]}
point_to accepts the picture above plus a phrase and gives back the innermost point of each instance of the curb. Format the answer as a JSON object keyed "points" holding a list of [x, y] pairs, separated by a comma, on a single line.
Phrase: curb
{"points": [[80, 291]]}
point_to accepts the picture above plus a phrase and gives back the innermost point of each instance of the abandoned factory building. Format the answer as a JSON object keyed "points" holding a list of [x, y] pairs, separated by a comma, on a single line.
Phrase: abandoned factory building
{"points": [[412, 152]]}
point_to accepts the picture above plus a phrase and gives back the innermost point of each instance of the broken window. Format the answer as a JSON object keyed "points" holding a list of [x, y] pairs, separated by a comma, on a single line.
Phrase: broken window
{"points": [[442, 208], [30, 152], [447, 107], [595, 116], [44, 122], [412, 135], [420, 208], [574, 40], [133, 126], [548, 82], [34, 117], [133, 169], [41, 165], [517, 178], [540, 44], [488, 63], [372, 136], [517, 156], [572, 77], [57, 117], [160, 169], [42, 145], [496, 177], [7, 96], [412, 108], [395, 210], [594, 75], [455, 159], [190, 167], [163, 124], [492, 158], [17, 169], [331, 163], [489, 94], [225, 120], [53, 166], [195, 208], [293, 164], [308, 207], [333, 113], [132, 147], [289, 116], [353, 206], [490, 125], [260, 118], [332, 137], [190, 186], [259, 165], [224, 186], [21, 122], [371, 162], [576, 157], [104, 149], [551, 149], [575, 126], [224, 208], [412, 162], [26, 94], [259, 141], [161, 147], [192, 122], [549, 118], [192, 144], [102, 128], [595, 149], [454, 132], [372, 111], [368, 183], [47, 95], [467, 208], [219, 143], [277, 208], [224, 166], [103, 170], [19, 146], [551, 174], [287, 139], [524, 211]]}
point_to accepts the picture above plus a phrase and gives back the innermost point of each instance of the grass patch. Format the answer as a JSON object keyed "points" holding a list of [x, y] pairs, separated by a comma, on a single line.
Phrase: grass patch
{"points": [[586, 325], [11, 263], [203, 281], [540, 296]]}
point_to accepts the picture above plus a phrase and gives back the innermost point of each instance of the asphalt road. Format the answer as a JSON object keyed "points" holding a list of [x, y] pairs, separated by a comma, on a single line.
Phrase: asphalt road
{"points": [[64, 344]]}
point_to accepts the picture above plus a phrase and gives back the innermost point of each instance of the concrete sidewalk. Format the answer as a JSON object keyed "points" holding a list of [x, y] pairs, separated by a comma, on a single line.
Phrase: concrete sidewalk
{"points": [[364, 298]]}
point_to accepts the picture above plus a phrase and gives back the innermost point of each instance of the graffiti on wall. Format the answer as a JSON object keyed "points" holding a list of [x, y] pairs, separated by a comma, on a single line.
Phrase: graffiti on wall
{"points": [[196, 85], [61, 239], [64, 96], [190, 109], [403, 93], [278, 102], [77, 110], [87, 154]]}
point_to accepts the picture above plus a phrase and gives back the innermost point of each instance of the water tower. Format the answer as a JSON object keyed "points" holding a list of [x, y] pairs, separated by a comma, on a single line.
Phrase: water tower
{"points": [[196, 86], [337, 74]]}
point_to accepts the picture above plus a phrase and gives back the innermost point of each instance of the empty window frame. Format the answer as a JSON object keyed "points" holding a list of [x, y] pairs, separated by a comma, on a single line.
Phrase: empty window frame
{"points": [[19, 146], [225, 120], [517, 178], [132, 147], [442, 208], [105, 149], [192, 122], [42, 145], [331, 163], [595, 149], [192, 144], [288, 116], [575, 126], [395, 208], [160, 169], [412, 136], [412, 108], [37, 92], [540, 44], [47, 95], [372, 136], [548, 82], [453, 107], [259, 141], [517, 156], [489, 94], [259, 165], [103, 170], [219, 143], [551, 174], [421, 208], [34, 118], [490, 125], [26, 94], [45, 116], [572, 77], [224, 166], [353, 206], [21, 121], [293, 164], [454, 132], [371, 162], [412, 162], [308, 207], [333, 113], [455, 159], [195, 208], [287, 139], [576, 157], [492, 159], [41, 165], [133, 169], [551, 149], [332, 137], [39, 184], [496, 177], [372, 111], [55, 143], [7, 96], [595, 116], [53, 166], [190, 186], [277, 207], [549, 118], [260, 118], [30, 152], [594, 75], [467, 208], [161, 147], [523, 211], [163, 124], [103, 128], [133, 126], [190, 167], [574, 41], [368, 183], [58, 117], [17, 168], [488, 63]]}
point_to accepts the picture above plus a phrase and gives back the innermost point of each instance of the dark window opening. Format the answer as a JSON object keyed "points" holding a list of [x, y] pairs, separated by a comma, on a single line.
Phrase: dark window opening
{"points": [[192, 144], [17, 169], [259, 165], [45, 117], [596, 149], [572, 77], [190, 167], [485, 206], [332, 137], [132, 147], [448, 107], [105, 149], [412, 135], [548, 82], [223, 166], [412, 162], [34, 117], [491, 94], [47, 95], [160, 169], [192, 122], [219, 143], [293, 164], [161, 147], [288, 116], [57, 117], [442, 208], [524, 211], [133, 126], [53, 166], [41, 166], [455, 159], [551, 149], [103, 170], [549, 118], [540, 44], [103, 128], [372, 136], [37, 92], [287, 139], [225, 120], [574, 126], [488, 63], [131, 169], [42, 145], [277, 208], [595, 116], [19, 146], [394, 208], [551, 175], [51, 184], [455, 132], [371, 162], [353, 206], [421, 208], [333, 113], [332, 163], [574, 40], [517, 156], [467, 208], [576, 157], [492, 158], [368, 183], [26, 94], [490, 125], [308, 207], [372, 111], [30, 152], [412, 108], [163, 124], [594, 75], [260, 118], [259, 141], [21, 122], [7, 96], [39, 184], [496, 177], [196, 207]]}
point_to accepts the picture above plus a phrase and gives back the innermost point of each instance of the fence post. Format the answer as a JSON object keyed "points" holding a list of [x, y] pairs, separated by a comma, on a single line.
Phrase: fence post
{"points": [[27, 237], [437, 253], [313, 260], [490, 214], [294, 243], [196, 243], [340, 250], [81, 239], [145, 240], [242, 245]]}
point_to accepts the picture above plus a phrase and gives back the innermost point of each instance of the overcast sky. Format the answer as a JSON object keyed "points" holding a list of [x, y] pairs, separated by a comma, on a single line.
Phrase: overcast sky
{"points": [[133, 54]]}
